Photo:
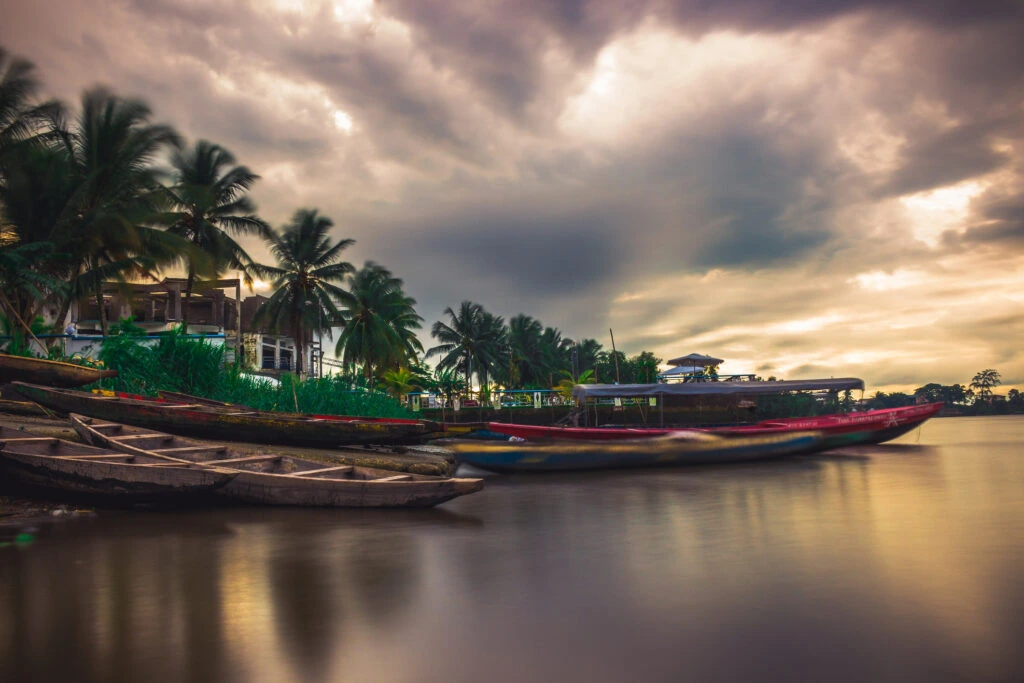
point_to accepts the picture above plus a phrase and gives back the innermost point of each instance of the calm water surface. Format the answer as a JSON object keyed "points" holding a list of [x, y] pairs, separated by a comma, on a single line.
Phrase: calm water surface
{"points": [[902, 562]]}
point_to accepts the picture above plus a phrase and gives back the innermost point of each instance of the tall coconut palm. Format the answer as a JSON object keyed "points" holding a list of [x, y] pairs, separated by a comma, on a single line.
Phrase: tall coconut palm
{"points": [[308, 265], [379, 321], [525, 352], [39, 182], [20, 120], [587, 352], [209, 208], [472, 338], [21, 249], [106, 229]]}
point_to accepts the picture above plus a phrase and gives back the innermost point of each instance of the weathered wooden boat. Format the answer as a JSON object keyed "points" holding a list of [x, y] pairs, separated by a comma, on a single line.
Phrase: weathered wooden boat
{"points": [[72, 468], [274, 479], [226, 423], [678, 448], [48, 372], [843, 429]]}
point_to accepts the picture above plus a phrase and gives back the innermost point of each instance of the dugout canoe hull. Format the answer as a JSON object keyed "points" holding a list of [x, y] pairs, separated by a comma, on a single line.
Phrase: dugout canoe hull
{"points": [[105, 475], [270, 479], [678, 449], [50, 373], [225, 424]]}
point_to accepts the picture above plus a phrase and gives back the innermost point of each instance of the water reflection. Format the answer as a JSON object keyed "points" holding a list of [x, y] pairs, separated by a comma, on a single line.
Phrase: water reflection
{"points": [[900, 562]]}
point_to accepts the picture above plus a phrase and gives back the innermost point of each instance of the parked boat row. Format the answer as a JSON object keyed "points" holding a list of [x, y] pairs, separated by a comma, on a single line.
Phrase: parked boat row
{"points": [[147, 449]]}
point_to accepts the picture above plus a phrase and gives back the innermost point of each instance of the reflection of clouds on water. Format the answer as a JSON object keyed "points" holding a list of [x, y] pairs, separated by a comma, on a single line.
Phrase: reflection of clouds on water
{"points": [[307, 614], [899, 562], [384, 573], [111, 607]]}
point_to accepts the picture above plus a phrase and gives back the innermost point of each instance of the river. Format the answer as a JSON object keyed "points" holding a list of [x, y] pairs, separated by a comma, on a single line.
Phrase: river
{"points": [[900, 562]]}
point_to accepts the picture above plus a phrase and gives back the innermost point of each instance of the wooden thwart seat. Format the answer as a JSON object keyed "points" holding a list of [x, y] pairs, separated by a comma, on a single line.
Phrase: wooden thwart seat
{"points": [[105, 456], [189, 449], [339, 469], [251, 458]]}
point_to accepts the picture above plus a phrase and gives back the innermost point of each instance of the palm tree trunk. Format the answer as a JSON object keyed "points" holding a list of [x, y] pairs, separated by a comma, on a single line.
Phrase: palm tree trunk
{"points": [[65, 306], [190, 280], [102, 312], [299, 346]]}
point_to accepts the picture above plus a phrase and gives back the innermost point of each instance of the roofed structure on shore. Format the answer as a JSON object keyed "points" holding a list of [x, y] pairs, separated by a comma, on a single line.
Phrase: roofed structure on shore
{"points": [[582, 392]]}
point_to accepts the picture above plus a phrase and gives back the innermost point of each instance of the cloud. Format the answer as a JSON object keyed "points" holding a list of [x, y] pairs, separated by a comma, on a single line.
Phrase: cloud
{"points": [[811, 187]]}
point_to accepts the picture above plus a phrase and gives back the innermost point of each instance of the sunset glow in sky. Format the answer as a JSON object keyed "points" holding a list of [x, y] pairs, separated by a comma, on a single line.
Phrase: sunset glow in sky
{"points": [[806, 189]]}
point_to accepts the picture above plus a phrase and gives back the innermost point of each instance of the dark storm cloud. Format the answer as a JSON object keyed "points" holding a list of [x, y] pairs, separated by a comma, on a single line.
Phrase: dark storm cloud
{"points": [[466, 175], [1001, 225], [948, 157]]}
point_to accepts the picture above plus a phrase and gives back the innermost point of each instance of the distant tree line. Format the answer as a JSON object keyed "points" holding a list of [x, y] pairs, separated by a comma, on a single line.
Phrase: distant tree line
{"points": [[976, 398]]}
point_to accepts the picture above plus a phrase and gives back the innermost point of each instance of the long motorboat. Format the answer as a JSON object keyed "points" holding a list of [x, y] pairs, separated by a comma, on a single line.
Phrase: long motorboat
{"points": [[226, 423], [51, 373], [65, 467], [678, 448], [275, 479], [842, 429]]}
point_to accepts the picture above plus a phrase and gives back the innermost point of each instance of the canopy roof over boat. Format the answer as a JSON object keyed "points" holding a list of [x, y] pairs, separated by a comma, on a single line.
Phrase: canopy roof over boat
{"points": [[582, 392], [698, 360]]}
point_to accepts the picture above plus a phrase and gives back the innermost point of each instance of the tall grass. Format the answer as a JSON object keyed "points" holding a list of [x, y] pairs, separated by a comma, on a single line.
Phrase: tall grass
{"points": [[197, 367]]}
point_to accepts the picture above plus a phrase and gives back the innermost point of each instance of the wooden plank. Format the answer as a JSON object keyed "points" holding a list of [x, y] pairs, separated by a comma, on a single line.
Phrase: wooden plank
{"points": [[339, 468], [154, 435], [29, 439], [397, 477], [117, 456], [190, 449], [243, 412], [251, 458]]}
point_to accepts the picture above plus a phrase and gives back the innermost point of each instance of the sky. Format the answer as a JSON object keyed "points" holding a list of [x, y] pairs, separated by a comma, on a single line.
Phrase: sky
{"points": [[805, 188]]}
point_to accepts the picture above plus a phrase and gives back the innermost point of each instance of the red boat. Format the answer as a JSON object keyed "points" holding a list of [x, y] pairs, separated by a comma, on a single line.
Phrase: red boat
{"points": [[842, 429]]}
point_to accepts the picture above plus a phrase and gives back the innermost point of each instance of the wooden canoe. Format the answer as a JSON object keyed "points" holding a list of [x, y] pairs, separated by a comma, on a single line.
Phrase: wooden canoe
{"points": [[226, 423], [270, 479], [843, 429], [65, 467], [682, 448], [50, 373]]}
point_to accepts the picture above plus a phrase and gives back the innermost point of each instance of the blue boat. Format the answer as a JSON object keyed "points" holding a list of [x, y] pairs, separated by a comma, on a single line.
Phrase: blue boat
{"points": [[678, 448]]}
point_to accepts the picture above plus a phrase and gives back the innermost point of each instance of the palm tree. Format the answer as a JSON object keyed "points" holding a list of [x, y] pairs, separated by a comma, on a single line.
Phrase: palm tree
{"points": [[555, 350], [210, 207], [378, 321], [471, 337], [400, 382], [566, 383], [308, 265], [38, 184], [105, 230], [984, 381], [525, 351], [587, 354], [25, 202], [20, 121]]}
